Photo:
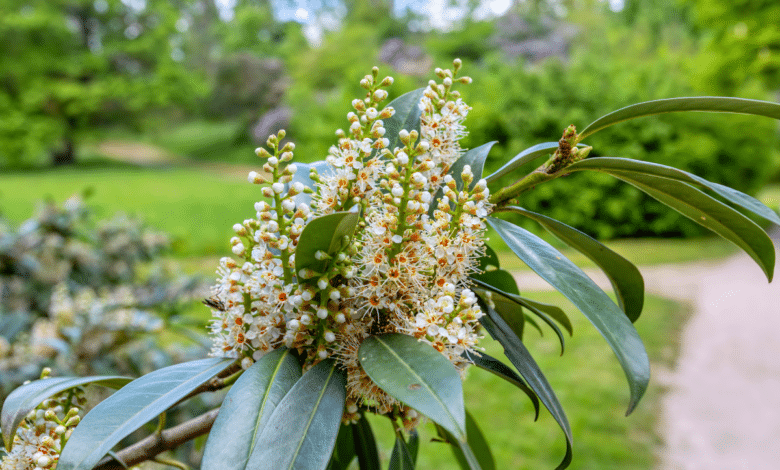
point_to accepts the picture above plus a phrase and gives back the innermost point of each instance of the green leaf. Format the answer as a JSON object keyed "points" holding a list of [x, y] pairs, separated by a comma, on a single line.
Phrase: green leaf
{"points": [[542, 310], [301, 432], [499, 279], [576, 286], [302, 175], [407, 116], [476, 159], [518, 355], [27, 397], [554, 312], [417, 375], [498, 368], [478, 444], [365, 445], [401, 458], [325, 233], [607, 164], [527, 155], [247, 408], [625, 278], [718, 104], [512, 313], [488, 260], [131, 407], [708, 212], [344, 452]]}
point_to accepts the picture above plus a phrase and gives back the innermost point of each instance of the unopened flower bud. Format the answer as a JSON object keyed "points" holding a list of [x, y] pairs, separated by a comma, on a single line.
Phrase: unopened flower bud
{"points": [[246, 363]]}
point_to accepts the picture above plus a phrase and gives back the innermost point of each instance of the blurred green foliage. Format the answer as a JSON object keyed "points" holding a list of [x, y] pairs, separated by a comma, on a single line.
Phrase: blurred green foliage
{"points": [[198, 79]]}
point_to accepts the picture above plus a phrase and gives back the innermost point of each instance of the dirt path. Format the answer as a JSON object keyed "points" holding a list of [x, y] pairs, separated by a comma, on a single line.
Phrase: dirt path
{"points": [[143, 154], [722, 410]]}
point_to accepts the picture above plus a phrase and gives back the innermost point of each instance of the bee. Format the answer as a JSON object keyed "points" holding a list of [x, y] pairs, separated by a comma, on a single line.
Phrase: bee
{"points": [[215, 303]]}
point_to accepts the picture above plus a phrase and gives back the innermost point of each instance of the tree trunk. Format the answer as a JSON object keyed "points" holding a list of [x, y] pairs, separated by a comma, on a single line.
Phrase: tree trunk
{"points": [[65, 155]]}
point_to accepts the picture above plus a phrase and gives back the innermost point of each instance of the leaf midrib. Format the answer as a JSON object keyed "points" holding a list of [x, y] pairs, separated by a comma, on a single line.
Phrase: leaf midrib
{"points": [[311, 417], [425, 384]]}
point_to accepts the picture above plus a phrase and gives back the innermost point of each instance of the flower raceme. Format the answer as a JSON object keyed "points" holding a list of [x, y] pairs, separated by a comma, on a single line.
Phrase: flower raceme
{"points": [[405, 269]]}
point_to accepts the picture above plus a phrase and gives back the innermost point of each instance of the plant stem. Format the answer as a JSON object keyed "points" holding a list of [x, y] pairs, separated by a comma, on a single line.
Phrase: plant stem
{"points": [[151, 446]]}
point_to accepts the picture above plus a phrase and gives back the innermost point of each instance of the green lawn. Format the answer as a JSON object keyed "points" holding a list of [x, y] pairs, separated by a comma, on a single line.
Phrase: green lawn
{"points": [[592, 389], [197, 207]]}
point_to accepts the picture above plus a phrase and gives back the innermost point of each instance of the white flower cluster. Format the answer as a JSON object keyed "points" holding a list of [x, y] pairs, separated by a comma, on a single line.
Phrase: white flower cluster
{"points": [[42, 435], [406, 268]]}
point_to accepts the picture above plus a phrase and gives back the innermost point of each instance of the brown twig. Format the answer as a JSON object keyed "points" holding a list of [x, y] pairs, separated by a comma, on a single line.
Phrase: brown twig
{"points": [[148, 448]]}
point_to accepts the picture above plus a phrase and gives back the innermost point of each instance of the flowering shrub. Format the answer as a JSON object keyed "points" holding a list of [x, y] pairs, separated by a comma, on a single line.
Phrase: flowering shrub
{"points": [[72, 296], [364, 283]]}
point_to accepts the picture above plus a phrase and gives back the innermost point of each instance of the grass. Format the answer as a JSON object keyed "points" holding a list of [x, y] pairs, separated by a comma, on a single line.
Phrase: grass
{"points": [[196, 207], [591, 388]]}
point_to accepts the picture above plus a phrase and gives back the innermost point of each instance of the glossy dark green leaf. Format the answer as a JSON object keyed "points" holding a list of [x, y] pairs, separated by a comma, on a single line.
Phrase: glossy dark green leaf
{"points": [[401, 457], [325, 233], [25, 398], [710, 213], [512, 313], [131, 407], [499, 279], [625, 278], [475, 158], [407, 116], [301, 432], [718, 104], [365, 445], [607, 164], [417, 375], [246, 408], [554, 312], [478, 445], [576, 286], [518, 355], [344, 451], [302, 176], [488, 260], [498, 368], [538, 308], [527, 155]]}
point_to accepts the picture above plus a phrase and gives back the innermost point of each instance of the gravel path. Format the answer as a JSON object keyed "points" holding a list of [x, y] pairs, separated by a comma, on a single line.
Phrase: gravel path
{"points": [[722, 410]]}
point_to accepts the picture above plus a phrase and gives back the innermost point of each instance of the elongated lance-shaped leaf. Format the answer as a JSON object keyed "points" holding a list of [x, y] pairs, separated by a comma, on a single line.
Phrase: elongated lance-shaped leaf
{"points": [[710, 213], [550, 311], [402, 458], [518, 355], [407, 116], [576, 286], [344, 451], [625, 278], [301, 432], [246, 408], [131, 407], [365, 444], [417, 375], [718, 104], [25, 398], [478, 445], [512, 313], [498, 368], [499, 279], [607, 164], [475, 158], [528, 155], [325, 233]]}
